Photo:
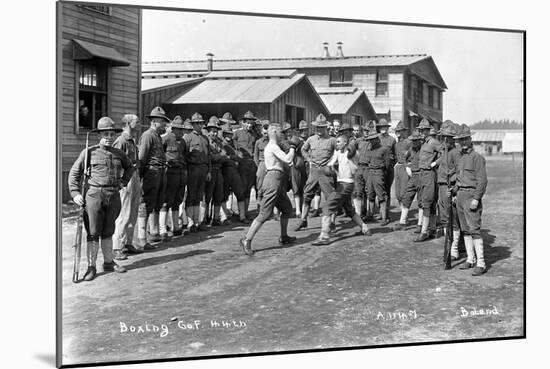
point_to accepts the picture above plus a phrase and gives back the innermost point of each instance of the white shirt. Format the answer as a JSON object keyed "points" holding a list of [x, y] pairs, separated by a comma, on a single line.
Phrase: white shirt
{"points": [[346, 167], [275, 157]]}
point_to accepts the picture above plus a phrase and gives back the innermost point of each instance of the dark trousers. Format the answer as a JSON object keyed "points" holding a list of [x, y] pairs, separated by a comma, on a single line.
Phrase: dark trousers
{"points": [[196, 181], [443, 203], [360, 183], [102, 209], [388, 180], [340, 197], [274, 195], [298, 177], [232, 183], [413, 188], [247, 171], [260, 175], [376, 185], [428, 197], [152, 186], [400, 178], [470, 220], [214, 188], [176, 180], [317, 179]]}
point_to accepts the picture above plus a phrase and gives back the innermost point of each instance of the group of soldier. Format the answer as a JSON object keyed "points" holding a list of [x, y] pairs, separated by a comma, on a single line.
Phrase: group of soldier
{"points": [[181, 176]]}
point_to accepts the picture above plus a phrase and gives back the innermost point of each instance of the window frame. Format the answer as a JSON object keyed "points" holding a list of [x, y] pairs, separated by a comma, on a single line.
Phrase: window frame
{"points": [[382, 82], [95, 91], [431, 96], [341, 81], [95, 9]]}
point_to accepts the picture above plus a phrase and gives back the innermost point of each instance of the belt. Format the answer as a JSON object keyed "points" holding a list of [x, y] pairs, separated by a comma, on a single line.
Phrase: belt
{"points": [[275, 170], [362, 165], [415, 171], [425, 170], [466, 188], [107, 187], [157, 166]]}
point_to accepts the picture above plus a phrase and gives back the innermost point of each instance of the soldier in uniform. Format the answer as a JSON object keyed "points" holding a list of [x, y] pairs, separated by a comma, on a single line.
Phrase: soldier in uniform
{"points": [[152, 171], [245, 139], [362, 146], [412, 170], [388, 141], [198, 171], [176, 177], [298, 173], [109, 170], [218, 158], [471, 183], [319, 149], [273, 191], [341, 196], [336, 127], [428, 180], [446, 171], [379, 162], [231, 178], [123, 239], [227, 120], [400, 175]]}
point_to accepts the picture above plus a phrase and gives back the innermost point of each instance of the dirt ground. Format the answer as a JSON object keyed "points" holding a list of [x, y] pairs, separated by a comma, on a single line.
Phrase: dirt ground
{"points": [[200, 295]]}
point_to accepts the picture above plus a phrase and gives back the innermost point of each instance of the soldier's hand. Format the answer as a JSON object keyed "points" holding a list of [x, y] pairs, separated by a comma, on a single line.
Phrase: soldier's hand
{"points": [[474, 204], [409, 171], [433, 164], [79, 200], [208, 177]]}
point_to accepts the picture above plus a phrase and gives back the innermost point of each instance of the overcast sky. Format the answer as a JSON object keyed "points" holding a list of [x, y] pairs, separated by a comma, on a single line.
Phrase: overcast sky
{"points": [[483, 70]]}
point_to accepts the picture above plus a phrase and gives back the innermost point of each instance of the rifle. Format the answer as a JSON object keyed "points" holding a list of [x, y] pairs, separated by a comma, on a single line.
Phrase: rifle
{"points": [[80, 220], [449, 233]]}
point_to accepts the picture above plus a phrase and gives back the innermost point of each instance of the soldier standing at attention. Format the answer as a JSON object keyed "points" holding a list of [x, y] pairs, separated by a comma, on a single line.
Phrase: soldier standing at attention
{"points": [[198, 171], [298, 173], [400, 175], [471, 183], [218, 158], [231, 178], [245, 139], [446, 169], [379, 162], [412, 189], [109, 170], [123, 239], [389, 142], [152, 171], [259, 147], [362, 146], [176, 177], [273, 192], [319, 148], [428, 181]]}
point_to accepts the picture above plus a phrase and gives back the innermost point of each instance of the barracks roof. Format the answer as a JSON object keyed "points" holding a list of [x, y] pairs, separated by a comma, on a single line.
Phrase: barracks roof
{"points": [[339, 102]]}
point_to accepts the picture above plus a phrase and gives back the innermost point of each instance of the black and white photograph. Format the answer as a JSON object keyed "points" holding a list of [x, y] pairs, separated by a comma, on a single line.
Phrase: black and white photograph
{"points": [[237, 184]]}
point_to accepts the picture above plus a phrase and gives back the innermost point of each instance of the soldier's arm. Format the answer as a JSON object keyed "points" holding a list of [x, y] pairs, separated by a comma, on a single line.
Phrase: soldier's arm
{"points": [[75, 175], [305, 149], [128, 169], [387, 159], [143, 152], [282, 156], [256, 153], [481, 177]]}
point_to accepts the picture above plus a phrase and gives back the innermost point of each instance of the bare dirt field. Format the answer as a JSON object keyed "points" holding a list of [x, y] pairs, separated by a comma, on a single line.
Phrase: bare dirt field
{"points": [[199, 295]]}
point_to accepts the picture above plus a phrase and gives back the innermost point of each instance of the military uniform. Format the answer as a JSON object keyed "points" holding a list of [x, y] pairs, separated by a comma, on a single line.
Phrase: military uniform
{"points": [[198, 167], [471, 184], [259, 160], [130, 197], [389, 142], [109, 169], [400, 175], [214, 188], [244, 143]]}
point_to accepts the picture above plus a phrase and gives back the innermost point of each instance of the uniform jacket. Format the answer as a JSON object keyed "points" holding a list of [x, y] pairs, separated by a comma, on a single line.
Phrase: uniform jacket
{"points": [[362, 146], [319, 150], [151, 152], [412, 158], [217, 157], [175, 150], [244, 142], [442, 170], [198, 149], [106, 167], [126, 143], [379, 158], [471, 173], [428, 152], [401, 148], [389, 142], [259, 148]]}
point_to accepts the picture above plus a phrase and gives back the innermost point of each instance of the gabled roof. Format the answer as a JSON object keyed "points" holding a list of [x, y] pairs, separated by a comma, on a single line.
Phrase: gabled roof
{"points": [[151, 84], [84, 50], [338, 102], [284, 63], [235, 88]]}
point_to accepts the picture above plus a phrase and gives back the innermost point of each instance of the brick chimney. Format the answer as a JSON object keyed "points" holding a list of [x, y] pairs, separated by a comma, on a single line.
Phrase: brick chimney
{"points": [[209, 62], [326, 54], [339, 52]]}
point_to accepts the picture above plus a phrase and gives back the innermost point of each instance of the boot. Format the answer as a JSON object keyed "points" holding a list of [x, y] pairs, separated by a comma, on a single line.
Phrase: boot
{"points": [[142, 230], [242, 212], [107, 249], [154, 227], [163, 231], [480, 268], [469, 243], [113, 267], [246, 246], [92, 248], [301, 225], [384, 213], [177, 229]]}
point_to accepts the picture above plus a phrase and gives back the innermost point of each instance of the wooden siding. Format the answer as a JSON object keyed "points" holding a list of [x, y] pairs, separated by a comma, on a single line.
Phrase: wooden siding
{"points": [[300, 95], [121, 31], [419, 106], [159, 96], [360, 107]]}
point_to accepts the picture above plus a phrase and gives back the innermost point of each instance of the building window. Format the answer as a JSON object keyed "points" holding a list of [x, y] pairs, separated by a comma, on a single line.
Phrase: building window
{"points": [[431, 96], [357, 119], [98, 8], [419, 91], [92, 94], [293, 115], [341, 77], [409, 86], [439, 97], [381, 82]]}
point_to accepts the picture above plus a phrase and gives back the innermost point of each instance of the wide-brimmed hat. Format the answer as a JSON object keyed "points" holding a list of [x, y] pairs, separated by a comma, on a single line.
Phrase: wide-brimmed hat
{"points": [[463, 132], [197, 118], [213, 122], [187, 124], [177, 122], [158, 112], [345, 127], [303, 125], [372, 135], [106, 124], [285, 127], [249, 116], [400, 127], [320, 121], [433, 132], [227, 118], [424, 124], [382, 123], [448, 130]]}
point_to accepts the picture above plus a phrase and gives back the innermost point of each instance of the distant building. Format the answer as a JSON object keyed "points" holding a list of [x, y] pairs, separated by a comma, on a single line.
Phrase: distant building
{"points": [[400, 87], [497, 141], [99, 70]]}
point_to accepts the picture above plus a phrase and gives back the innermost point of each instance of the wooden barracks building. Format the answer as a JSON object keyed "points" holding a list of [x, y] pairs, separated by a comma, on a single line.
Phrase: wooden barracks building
{"points": [[398, 87], [99, 69]]}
